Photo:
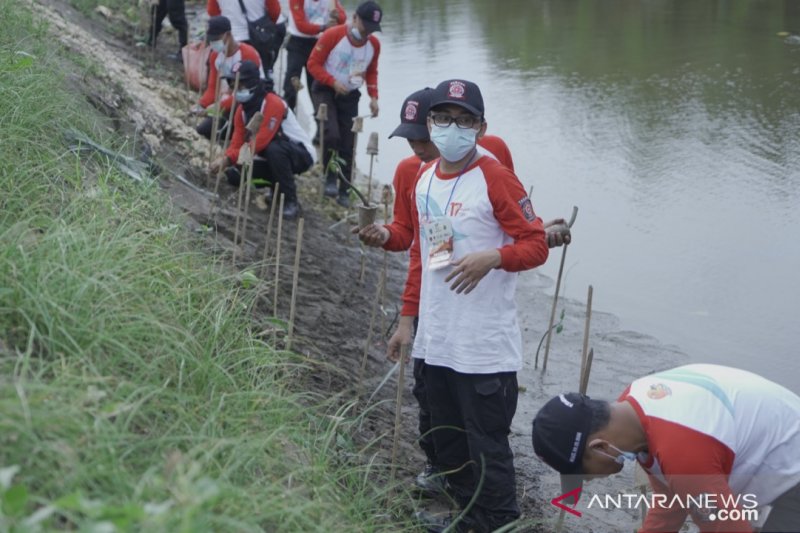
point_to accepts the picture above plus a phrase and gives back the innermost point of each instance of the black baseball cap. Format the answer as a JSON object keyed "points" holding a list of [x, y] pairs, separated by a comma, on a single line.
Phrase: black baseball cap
{"points": [[413, 116], [217, 27], [560, 432], [370, 14], [249, 73], [461, 93]]}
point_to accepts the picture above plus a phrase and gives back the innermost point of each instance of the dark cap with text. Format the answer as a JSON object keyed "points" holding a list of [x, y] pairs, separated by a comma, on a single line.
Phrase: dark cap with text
{"points": [[413, 116], [560, 431], [217, 27], [248, 71], [461, 93], [370, 14]]}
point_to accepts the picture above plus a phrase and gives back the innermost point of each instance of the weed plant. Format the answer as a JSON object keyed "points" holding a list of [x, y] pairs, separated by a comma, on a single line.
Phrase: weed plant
{"points": [[133, 393]]}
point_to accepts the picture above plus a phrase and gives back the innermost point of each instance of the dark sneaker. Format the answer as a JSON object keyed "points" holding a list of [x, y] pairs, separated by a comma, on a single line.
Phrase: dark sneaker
{"points": [[431, 481], [176, 57], [343, 199], [331, 188], [291, 210], [433, 522]]}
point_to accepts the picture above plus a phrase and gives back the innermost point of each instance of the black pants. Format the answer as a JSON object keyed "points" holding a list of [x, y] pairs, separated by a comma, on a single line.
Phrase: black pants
{"points": [[337, 135], [297, 51], [425, 436], [282, 158], [207, 124], [177, 17], [269, 53], [785, 514], [471, 415]]}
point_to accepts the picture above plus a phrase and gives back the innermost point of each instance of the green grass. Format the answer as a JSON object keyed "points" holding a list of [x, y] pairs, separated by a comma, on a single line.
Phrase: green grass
{"points": [[133, 392]]}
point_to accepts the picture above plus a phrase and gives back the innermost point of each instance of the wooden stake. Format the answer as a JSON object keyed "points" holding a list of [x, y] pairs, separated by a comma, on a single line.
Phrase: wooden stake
{"points": [[358, 127], [397, 409], [275, 196], [387, 197], [215, 123], [372, 150], [585, 350], [278, 258], [363, 368], [242, 181], [555, 298], [322, 116], [227, 132], [295, 279], [587, 370], [246, 160]]}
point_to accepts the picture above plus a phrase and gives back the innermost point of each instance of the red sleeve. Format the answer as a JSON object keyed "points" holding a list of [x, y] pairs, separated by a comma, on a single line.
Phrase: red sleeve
{"points": [[250, 54], [208, 96], [298, 11], [498, 148], [274, 111], [704, 471], [342, 14], [405, 178], [273, 9], [213, 8], [237, 137], [413, 280], [514, 213], [372, 69], [316, 61]]}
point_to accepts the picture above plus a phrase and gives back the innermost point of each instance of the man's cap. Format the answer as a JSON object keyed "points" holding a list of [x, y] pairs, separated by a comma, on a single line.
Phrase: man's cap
{"points": [[217, 27], [560, 432], [461, 93], [370, 14], [248, 72], [413, 116]]}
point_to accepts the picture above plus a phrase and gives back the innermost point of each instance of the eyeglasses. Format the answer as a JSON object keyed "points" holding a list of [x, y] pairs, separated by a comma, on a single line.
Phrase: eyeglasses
{"points": [[465, 122]]}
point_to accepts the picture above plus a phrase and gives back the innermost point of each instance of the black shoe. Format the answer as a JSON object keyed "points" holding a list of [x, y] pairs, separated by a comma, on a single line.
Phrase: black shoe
{"points": [[291, 210], [431, 481], [331, 187], [176, 57], [433, 523], [343, 199]]}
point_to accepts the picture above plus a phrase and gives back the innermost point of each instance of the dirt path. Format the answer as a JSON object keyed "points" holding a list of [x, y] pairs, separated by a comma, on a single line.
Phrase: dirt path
{"points": [[333, 306]]}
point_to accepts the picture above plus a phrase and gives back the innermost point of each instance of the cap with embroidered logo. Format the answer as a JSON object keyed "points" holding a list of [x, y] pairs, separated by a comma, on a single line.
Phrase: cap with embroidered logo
{"points": [[462, 93], [370, 14], [413, 116]]}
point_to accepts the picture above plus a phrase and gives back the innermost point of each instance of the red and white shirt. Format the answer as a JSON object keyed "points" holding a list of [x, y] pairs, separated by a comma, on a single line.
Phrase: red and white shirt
{"points": [[309, 16], [274, 110], [336, 57], [720, 431], [233, 11], [474, 333], [219, 63]]}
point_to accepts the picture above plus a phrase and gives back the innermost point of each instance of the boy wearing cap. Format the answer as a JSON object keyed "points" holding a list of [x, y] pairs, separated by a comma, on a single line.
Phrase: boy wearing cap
{"points": [[309, 19], [474, 228], [714, 434], [226, 52], [344, 59], [282, 147], [239, 12]]}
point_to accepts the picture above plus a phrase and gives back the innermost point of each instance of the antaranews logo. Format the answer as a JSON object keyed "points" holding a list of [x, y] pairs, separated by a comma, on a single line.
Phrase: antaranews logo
{"points": [[575, 493]]}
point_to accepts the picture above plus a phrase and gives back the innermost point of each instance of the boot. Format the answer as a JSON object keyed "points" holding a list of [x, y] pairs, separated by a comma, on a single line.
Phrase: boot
{"points": [[291, 210], [331, 186]]}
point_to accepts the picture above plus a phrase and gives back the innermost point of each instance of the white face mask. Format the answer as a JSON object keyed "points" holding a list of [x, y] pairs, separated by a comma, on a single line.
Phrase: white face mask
{"points": [[454, 143], [624, 456], [217, 46], [355, 33], [244, 95]]}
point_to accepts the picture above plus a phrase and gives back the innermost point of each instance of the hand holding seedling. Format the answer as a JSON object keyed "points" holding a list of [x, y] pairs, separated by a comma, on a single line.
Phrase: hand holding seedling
{"points": [[373, 235], [402, 336], [373, 107], [470, 270], [197, 109]]}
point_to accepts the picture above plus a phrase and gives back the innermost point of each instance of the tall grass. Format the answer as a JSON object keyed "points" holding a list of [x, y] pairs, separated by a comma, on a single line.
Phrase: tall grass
{"points": [[133, 394]]}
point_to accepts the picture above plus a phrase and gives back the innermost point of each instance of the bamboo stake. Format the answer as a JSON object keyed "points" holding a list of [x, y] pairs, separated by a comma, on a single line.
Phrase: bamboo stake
{"points": [[228, 132], [246, 159], [555, 297], [387, 199], [295, 279], [322, 117], [242, 179], [212, 142], [585, 350], [278, 258], [275, 196], [372, 150], [587, 370], [397, 409], [362, 369], [248, 188], [358, 127]]}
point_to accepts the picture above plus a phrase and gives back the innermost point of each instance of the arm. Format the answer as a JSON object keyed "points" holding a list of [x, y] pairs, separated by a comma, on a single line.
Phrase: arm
{"points": [[208, 96], [212, 7], [274, 111], [372, 69], [273, 8], [237, 138], [402, 235], [299, 15], [405, 177], [499, 149], [316, 61]]}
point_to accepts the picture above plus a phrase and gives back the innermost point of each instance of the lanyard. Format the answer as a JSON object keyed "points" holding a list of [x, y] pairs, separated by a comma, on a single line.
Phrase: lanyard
{"points": [[428, 194]]}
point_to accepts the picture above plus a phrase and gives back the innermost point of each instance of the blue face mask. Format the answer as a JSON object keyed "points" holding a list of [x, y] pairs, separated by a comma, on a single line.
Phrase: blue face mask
{"points": [[624, 456], [217, 46], [244, 95], [454, 143]]}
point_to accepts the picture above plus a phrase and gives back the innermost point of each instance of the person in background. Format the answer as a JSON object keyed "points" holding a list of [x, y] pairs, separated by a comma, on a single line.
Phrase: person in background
{"points": [[309, 18], [474, 228], [282, 147], [176, 10], [226, 52], [344, 59], [255, 9], [726, 438]]}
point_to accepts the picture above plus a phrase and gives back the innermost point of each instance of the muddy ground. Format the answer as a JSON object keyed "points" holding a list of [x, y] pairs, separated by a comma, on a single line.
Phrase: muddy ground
{"points": [[147, 99]]}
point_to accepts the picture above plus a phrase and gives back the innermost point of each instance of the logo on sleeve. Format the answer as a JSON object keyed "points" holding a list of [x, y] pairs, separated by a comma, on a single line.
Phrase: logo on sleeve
{"points": [[658, 391], [527, 209]]}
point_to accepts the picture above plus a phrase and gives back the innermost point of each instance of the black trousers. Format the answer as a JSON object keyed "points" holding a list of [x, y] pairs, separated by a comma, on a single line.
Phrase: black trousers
{"points": [[269, 53], [177, 17], [337, 135], [281, 160], [297, 51], [785, 514], [207, 124], [425, 436], [471, 416]]}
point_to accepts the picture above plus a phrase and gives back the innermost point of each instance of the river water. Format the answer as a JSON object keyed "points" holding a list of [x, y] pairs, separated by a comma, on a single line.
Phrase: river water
{"points": [[672, 125]]}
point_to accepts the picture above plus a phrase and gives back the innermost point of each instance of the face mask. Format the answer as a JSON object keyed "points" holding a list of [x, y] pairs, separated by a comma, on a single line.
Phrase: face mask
{"points": [[355, 33], [625, 456], [217, 46], [454, 143], [244, 95]]}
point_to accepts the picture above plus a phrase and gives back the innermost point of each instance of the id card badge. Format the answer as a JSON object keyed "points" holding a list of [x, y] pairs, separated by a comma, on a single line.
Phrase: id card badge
{"points": [[439, 234]]}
